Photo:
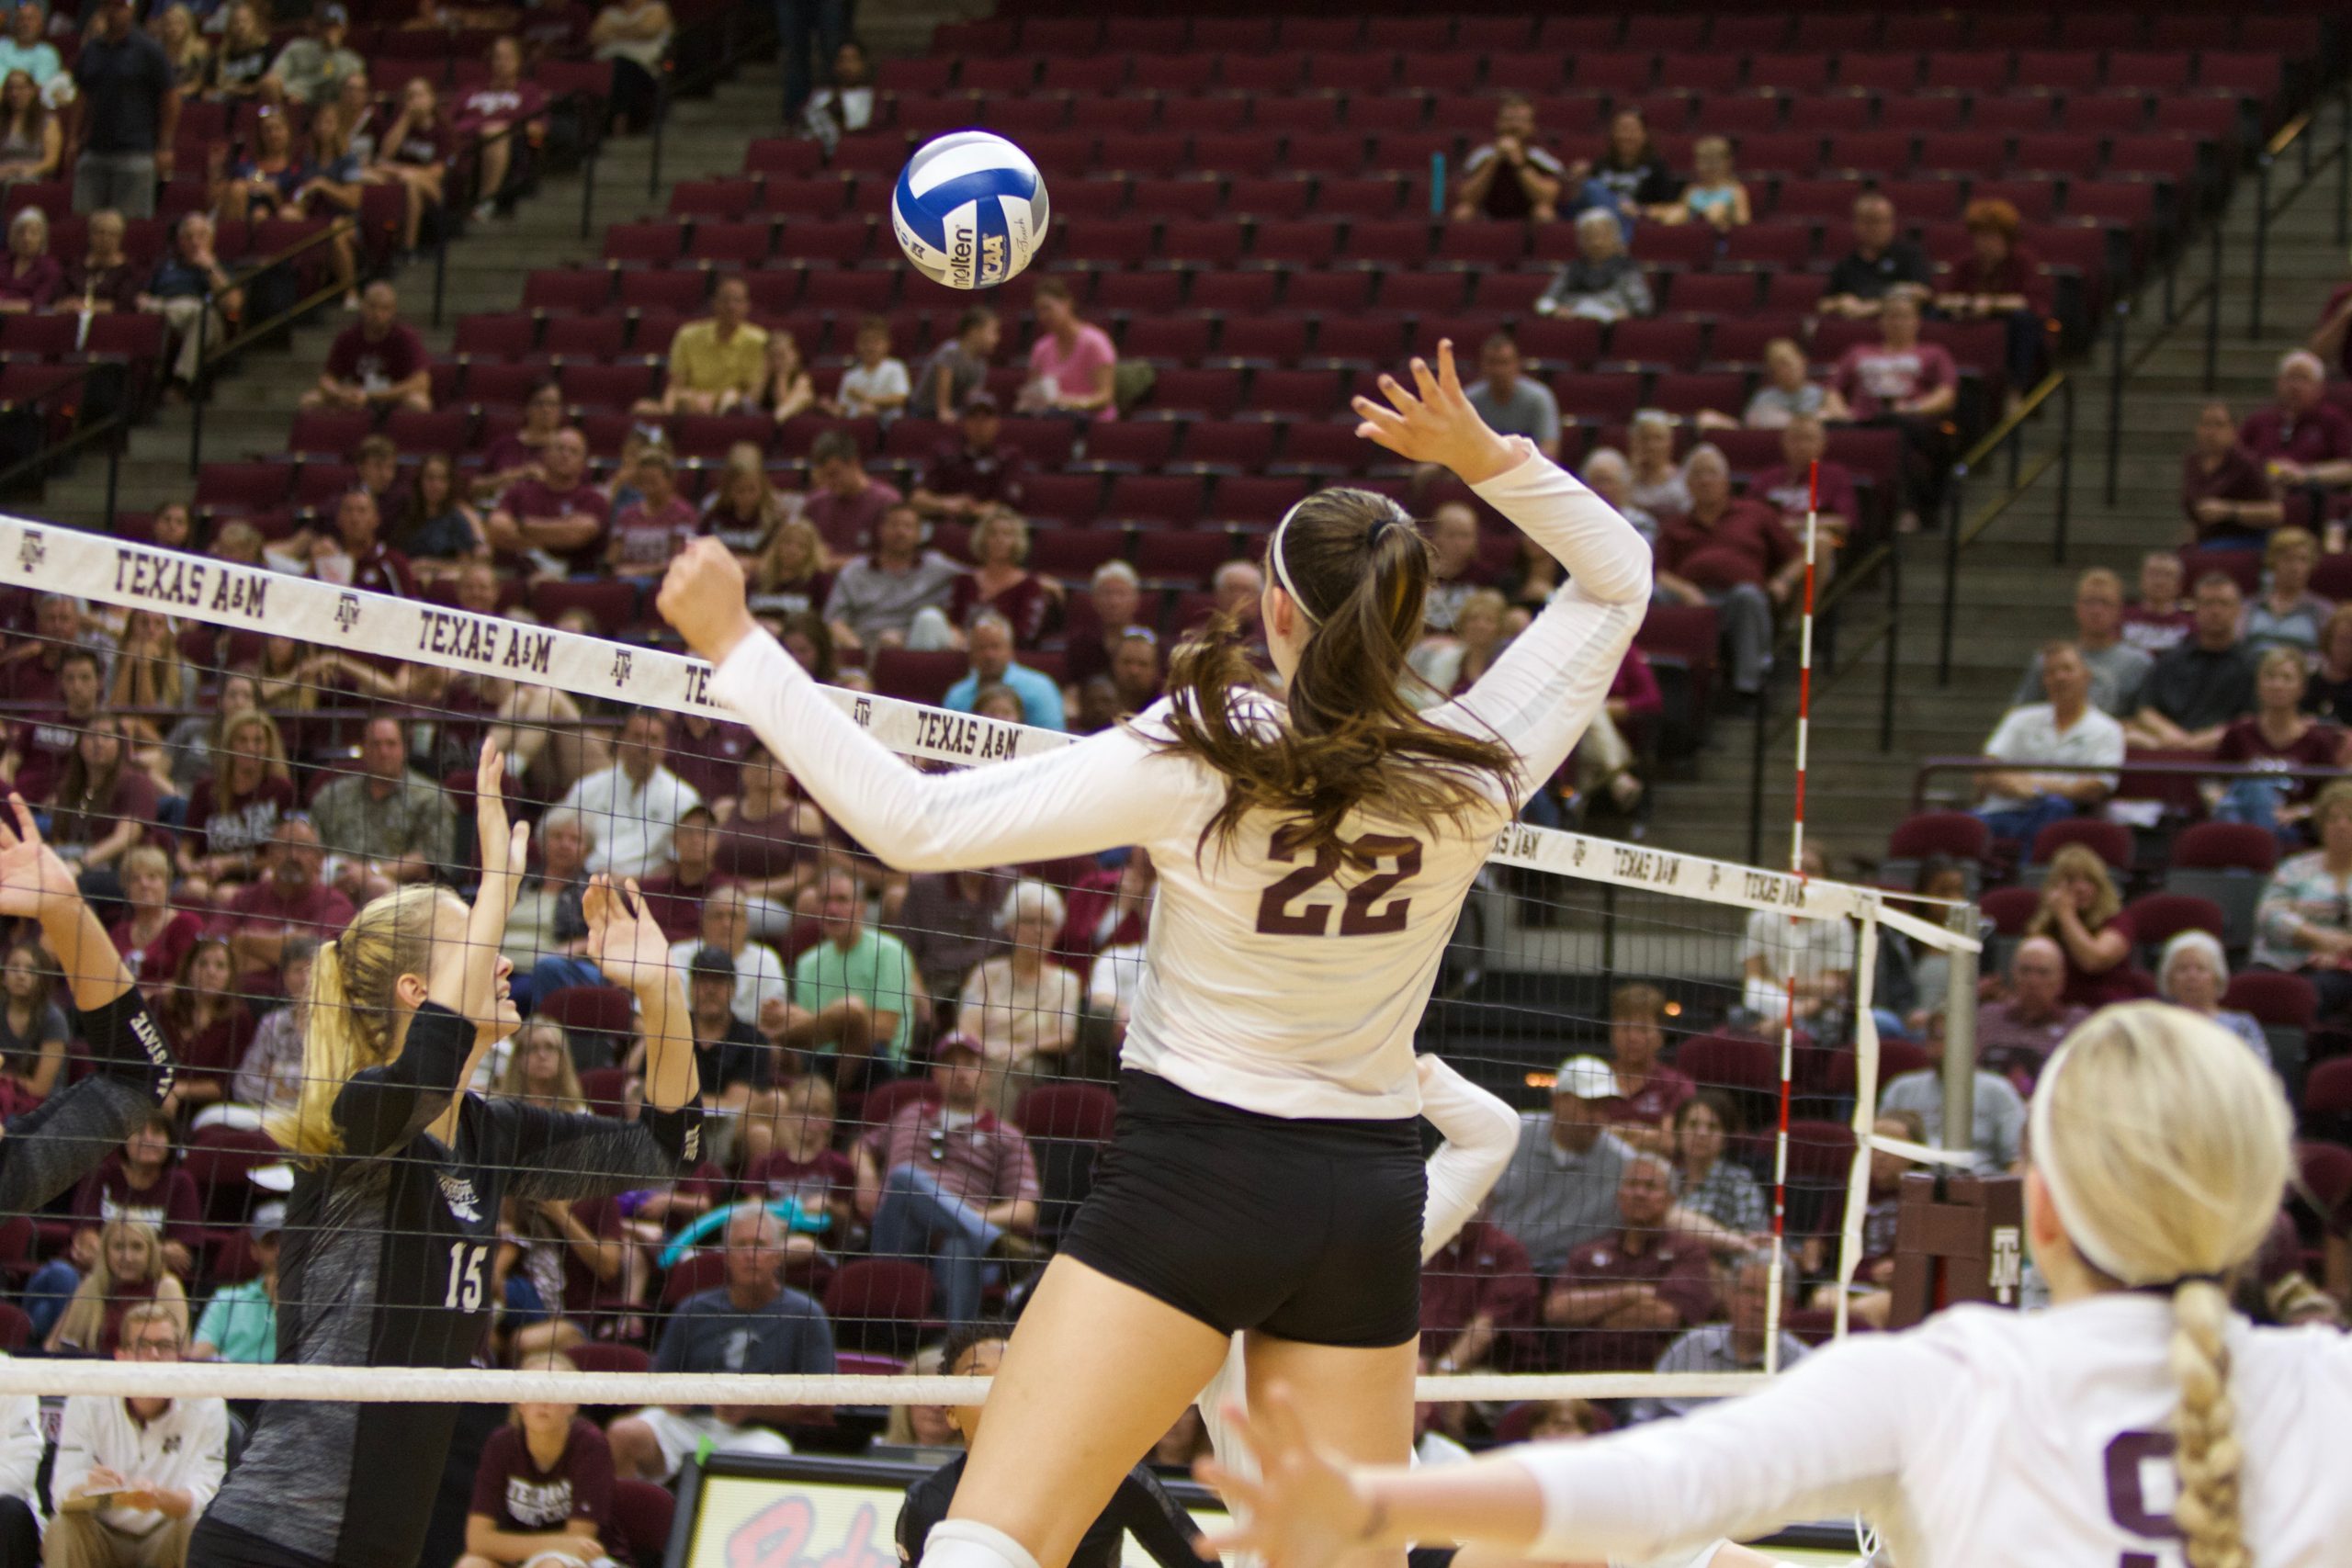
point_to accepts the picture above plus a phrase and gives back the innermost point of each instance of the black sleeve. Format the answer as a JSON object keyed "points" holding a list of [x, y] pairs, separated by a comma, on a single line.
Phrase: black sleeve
{"points": [[1848, 278], [1142, 1507], [560, 1154], [125, 1044], [1913, 263], [70, 1134], [1658, 185], [380, 1109], [925, 1506]]}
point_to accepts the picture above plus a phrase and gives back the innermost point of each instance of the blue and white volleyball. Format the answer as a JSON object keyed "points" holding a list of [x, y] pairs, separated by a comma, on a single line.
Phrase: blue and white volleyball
{"points": [[970, 210]]}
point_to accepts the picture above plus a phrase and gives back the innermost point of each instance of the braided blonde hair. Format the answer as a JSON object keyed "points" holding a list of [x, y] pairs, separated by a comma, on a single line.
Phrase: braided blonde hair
{"points": [[2165, 1147]]}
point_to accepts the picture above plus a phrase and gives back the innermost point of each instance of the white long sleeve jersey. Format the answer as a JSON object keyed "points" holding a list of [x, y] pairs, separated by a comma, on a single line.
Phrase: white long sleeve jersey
{"points": [[185, 1448], [1282, 984], [1981, 1437]]}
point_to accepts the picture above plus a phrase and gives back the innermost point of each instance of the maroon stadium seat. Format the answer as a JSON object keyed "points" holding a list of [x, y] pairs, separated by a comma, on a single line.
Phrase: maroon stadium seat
{"points": [[1962, 835]]}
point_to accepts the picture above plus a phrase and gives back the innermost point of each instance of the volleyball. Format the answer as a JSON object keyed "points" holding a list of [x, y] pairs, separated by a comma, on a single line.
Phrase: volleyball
{"points": [[970, 210]]}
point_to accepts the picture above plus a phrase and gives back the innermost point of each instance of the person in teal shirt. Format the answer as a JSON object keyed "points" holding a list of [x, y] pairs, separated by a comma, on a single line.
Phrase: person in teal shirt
{"points": [[239, 1322], [990, 645], [859, 990]]}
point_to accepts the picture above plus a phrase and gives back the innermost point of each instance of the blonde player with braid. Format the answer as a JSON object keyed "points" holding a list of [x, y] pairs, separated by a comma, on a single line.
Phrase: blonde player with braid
{"points": [[2134, 1424]]}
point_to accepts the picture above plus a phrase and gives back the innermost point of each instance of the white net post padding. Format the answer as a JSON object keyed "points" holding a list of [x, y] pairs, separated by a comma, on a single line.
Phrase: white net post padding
{"points": [[47, 559]]}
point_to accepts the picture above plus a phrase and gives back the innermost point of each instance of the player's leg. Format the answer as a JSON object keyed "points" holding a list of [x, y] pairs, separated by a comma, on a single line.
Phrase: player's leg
{"points": [[1097, 1370], [1356, 1401]]}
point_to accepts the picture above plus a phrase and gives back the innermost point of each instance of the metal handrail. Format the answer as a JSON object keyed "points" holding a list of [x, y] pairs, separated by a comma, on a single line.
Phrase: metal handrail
{"points": [[39, 465], [1959, 534], [2127, 768], [208, 357], [2295, 134]]}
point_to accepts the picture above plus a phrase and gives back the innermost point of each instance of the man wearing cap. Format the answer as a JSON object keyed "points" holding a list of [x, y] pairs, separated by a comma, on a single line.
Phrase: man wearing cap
{"points": [[1560, 1189], [979, 470], [734, 1066], [1626, 1295], [132, 1475], [311, 70], [239, 1323], [948, 1184]]}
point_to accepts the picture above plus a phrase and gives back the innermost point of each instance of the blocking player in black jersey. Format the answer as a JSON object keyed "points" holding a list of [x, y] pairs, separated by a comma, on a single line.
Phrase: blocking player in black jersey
{"points": [[400, 1175]]}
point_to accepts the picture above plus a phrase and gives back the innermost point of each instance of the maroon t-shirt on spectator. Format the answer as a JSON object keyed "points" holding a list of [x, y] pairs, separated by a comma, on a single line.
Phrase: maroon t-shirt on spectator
{"points": [[1677, 1266], [998, 474], [982, 1161], [1746, 543], [1873, 378], [116, 286], [1089, 903], [32, 678], [38, 285], [377, 362], [2322, 435], [323, 909], [520, 1499], [647, 538], [135, 797], [847, 521], [813, 1184], [43, 745], [509, 454], [676, 905], [2237, 477], [237, 824], [2317, 746], [171, 1206], [585, 1297], [761, 851], [1790, 493], [156, 963], [713, 760], [2120, 984], [1482, 1271], [211, 1055], [1027, 604], [527, 498], [384, 570], [2020, 272], [524, 100], [423, 146], [2152, 634], [1662, 1094]]}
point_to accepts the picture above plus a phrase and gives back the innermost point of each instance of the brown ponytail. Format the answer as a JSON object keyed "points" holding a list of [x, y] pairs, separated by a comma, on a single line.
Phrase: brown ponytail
{"points": [[1360, 571]]}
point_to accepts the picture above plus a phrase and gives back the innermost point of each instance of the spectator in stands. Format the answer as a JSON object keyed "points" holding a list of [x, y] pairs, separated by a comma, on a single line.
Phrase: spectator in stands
{"points": [[236, 808], [1601, 283], [104, 279], [518, 455], [175, 28], [32, 1026], [735, 1068], [358, 554], [554, 523], [708, 754], [762, 992], [377, 363], [1818, 954], [1020, 1005], [1788, 391], [1099, 621], [132, 1475], [876, 385], [130, 112], [439, 531], [2196, 690], [2015, 1035], [268, 180], [127, 1270], [1511, 403], [2082, 912], [1715, 195], [2117, 669], [949, 1184], [239, 1322], [2162, 617], [1134, 676], [1998, 1132], [1735, 555], [770, 844], [1657, 486], [2301, 439], [1609, 477], [676, 896], [2000, 280], [414, 151], [40, 746], [1630, 1291], [859, 988], [1790, 487], [2287, 613], [1881, 267], [27, 47], [991, 643], [1735, 1345], [1630, 178], [752, 1323], [543, 1492], [1910, 384], [2193, 974], [311, 70], [786, 389], [104, 803], [897, 595], [29, 277], [978, 469], [716, 363], [1708, 1183], [789, 578], [2225, 489], [178, 289], [632, 807], [498, 112], [2066, 729], [269, 1079], [650, 532], [144, 1183], [2277, 734], [1559, 1190], [1454, 555], [31, 141], [947, 920], [958, 367], [1649, 1092], [1002, 581], [545, 936], [332, 191], [1072, 366], [846, 103], [1511, 177], [241, 65], [386, 824], [2304, 921], [635, 36], [846, 503], [152, 936], [290, 900]]}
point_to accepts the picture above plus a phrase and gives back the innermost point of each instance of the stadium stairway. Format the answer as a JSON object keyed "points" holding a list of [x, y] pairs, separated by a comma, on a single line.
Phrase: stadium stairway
{"points": [[254, 406], [2012, 598]]}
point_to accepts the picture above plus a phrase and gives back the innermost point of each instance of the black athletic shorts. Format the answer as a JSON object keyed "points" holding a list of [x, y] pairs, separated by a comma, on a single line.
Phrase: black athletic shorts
{"points": [[217, 1545], [1310, 1230]]}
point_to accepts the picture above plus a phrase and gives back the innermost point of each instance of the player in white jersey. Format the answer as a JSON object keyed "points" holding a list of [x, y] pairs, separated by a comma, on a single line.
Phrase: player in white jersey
{"points": [[2134, 1422], [1264, 1176]]}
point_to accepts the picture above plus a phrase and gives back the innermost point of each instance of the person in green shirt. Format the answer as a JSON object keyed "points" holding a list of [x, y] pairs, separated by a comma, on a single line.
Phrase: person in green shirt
{"points": [[856, 991], [239, 1322]]}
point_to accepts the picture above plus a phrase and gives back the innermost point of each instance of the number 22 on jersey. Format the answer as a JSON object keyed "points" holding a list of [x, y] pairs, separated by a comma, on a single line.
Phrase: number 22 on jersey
{"points": [[1289, 908], [469, 1278]]}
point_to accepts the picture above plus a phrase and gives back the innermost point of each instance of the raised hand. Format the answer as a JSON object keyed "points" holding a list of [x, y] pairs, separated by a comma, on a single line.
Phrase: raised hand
{"points": [[505, 849], [1435, 424], [1303, 1511], [623, 938], [31, 874], [702, 596]]}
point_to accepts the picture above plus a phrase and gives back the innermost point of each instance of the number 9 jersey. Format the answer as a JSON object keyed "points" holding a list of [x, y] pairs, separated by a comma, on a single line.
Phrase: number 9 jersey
{"points": [[1277, 980]]}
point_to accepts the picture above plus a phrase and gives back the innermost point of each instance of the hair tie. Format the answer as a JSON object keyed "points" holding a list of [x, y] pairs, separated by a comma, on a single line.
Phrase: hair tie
{"points": [[2167, 1287]]}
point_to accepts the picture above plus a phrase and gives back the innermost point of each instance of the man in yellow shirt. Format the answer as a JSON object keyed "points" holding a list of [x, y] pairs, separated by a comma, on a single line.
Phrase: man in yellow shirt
{"points": [[716, 366]]}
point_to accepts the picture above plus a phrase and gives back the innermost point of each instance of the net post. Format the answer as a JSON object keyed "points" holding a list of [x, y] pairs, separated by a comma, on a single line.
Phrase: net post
{"points": [[1857, 1176], [1960, 1035]]}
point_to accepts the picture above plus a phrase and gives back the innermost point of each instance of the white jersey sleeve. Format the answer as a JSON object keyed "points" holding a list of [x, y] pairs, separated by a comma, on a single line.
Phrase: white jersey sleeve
{"points": [[1481, 1134]]}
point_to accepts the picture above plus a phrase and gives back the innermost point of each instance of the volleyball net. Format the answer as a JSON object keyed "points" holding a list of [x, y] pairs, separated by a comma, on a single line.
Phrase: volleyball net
{"points": [[910, 1080]]}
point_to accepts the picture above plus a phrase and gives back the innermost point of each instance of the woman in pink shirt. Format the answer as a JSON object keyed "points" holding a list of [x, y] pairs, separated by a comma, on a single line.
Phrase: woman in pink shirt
{"points": [[1070, 364]]}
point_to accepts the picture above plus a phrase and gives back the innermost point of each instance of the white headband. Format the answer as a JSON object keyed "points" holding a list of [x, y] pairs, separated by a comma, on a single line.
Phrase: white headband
{"points": [[1281, 567]]}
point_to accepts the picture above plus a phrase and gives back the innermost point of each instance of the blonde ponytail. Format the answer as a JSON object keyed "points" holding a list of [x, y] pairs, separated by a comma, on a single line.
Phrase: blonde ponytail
{"points": [[2205, 1442], [354, 1020]]}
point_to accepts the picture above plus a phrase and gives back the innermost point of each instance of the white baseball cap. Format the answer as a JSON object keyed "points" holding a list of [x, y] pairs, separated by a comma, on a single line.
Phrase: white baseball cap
{"points": [[1587, 1078]]}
